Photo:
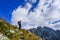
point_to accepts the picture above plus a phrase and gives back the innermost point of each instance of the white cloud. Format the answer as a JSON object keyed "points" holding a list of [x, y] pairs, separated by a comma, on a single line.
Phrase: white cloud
{"points": [[31, 1], [20, 14], [37, 17]]}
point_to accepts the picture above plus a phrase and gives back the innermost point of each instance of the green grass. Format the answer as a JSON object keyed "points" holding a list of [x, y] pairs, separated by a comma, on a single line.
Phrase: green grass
{"points": [[13, 33]]}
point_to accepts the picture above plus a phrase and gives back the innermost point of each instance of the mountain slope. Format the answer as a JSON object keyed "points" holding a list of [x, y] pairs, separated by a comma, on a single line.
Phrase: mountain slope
{"points": [[10, 32], [46, 33]]}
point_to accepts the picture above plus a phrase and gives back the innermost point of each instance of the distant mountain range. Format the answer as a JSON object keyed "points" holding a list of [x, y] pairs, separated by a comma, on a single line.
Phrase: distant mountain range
{"points": [[46, 33], [10, 32]]}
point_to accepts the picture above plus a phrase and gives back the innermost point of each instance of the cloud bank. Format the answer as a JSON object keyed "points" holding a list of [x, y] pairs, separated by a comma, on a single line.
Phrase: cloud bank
{"points": [[45, 14]]}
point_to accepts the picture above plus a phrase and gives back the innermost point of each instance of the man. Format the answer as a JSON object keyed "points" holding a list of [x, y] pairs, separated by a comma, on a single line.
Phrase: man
{"points": [[19, 23]]}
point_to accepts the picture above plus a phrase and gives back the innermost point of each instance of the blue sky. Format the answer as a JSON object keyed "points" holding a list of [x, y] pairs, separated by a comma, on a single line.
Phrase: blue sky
{"points": [[33, 13], [7, 6]]}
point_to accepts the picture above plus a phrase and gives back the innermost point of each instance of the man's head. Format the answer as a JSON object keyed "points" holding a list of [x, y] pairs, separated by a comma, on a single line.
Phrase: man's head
{"points": [[19, 20]]}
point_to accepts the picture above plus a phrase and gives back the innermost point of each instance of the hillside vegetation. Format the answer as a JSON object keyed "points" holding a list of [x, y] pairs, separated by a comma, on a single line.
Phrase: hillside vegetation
{"points": [[10, 32]]}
